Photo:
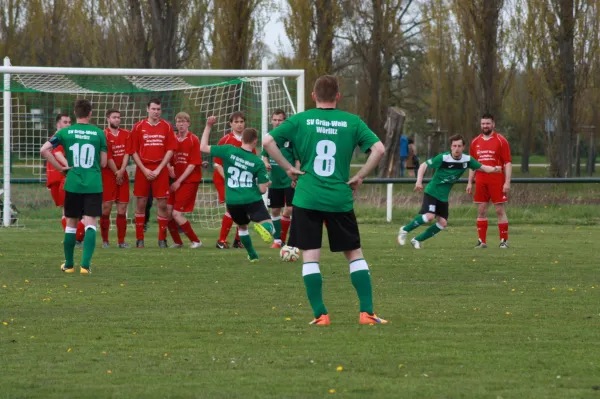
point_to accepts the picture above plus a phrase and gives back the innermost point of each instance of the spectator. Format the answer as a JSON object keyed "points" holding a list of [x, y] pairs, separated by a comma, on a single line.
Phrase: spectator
{"points": [[412, 161], [403, 154]]}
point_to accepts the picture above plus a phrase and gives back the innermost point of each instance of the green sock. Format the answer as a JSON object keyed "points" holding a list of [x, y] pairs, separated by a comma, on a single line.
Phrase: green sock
{"points": [[313, 280], [89, 244], [69, 246], [430, 232], [269, 226], [277, 226], [361, 280], [247, 242], [416, 222]]}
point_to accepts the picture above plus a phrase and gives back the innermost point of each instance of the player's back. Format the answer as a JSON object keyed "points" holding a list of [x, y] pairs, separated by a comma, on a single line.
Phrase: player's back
{"points": [[242, 169], [83, 144], [324, 141]]}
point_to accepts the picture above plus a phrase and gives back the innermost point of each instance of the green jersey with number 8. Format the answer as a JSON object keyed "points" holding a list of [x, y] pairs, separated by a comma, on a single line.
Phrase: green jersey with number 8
{"points": [[244, 171], [324, 141], [82, 143]]}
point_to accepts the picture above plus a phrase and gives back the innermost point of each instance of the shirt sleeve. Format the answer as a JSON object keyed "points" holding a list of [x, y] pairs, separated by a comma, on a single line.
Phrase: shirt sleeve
{"points": [[366, 138], [133, 141], [195, 156], [505, 153], [261, 173], [171, 140], [103, 145], [285, 132], [56, 140], [474, 164], [219, 151], [435, 162]]}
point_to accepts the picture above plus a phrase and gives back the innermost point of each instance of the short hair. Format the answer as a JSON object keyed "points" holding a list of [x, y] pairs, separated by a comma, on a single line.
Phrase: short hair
{"points": [[183, 115], [154, 101], [83, 108], [237, 114], [249, 135], [112, 111], [326, 88], [487, 115], [62, 115], [279, 111], [456, 137]]}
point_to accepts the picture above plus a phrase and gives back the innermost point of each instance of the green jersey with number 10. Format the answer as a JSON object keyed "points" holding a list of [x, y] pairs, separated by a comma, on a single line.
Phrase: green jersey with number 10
{"points": [[82, 143], [244, 171], [324, 141]]}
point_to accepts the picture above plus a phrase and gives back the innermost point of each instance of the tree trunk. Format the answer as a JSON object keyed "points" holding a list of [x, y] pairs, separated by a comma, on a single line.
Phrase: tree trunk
{"points": [[163, 14], [527, 136], [324, 36], [591, 162], [374, 69], [142, 54], [389, 164], [488, 45]]}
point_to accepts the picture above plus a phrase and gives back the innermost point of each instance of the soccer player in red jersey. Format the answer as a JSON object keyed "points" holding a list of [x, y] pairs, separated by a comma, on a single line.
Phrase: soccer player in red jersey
{"points": [[490, 148], [153, 142], [55, 181], [115, 180], [186, 169], [237, 121]]}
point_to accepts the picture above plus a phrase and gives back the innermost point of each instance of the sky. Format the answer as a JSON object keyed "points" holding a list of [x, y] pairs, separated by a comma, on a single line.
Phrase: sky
{"points": [[274, 31]]}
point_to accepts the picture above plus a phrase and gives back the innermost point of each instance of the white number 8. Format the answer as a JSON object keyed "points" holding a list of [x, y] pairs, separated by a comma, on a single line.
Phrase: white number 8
{"points": [[324, 164]]}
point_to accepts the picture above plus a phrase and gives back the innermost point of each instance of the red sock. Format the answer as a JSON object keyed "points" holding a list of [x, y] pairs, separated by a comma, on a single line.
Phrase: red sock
{"points": [[482, 225], [285, 226], [237, 234], [162, 228], [503, 229], [140, 219], [226, 224], [64, 223], [80, 231], [174, 230], [189, 232], [121, 228], [104, 226]]}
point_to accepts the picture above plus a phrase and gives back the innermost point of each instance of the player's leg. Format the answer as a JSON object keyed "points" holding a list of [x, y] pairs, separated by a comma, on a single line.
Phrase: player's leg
{"points": [[441, 212], [73, 212], [239, 215], [226, 222], [122, 202], [149, 202], [426, 215], [173, 227], [58, 196], [184, 202], [482, 198], [160, 192], [92, 209], [105, 222], [141, 189], [502, 224], [286, 218], [258, 213], [306, 234], [343, 234], [276, 202]]}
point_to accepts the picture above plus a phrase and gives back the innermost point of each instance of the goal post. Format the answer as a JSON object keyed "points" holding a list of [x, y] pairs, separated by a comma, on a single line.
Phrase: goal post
{"points": [[33, 96]]}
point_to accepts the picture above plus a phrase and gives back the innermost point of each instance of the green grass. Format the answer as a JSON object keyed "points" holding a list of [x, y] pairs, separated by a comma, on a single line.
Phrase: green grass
{"points": [[516, 323]]}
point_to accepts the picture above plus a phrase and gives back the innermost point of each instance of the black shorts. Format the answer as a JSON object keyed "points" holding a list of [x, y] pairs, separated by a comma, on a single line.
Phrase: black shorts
{"points": [[280, 197], [306, 231], [78, 205], [434, 205], [243, 214]]}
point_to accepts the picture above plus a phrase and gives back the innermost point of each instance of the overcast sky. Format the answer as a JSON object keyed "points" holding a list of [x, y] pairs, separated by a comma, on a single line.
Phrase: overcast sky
{"points": [[275, 32]]}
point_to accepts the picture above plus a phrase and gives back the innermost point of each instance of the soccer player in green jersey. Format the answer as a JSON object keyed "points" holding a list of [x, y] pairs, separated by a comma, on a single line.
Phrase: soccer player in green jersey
{"points": [[86, 154], [281, 191], [324, 139], [450, 167], [246, 179]]}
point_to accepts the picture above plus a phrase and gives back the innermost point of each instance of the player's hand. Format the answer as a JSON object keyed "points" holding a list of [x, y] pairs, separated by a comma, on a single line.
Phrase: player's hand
{"points": [[497, 169], [293, 173], [267, 165], [506, 188], [355, 182], [150, 174], [294, 183], [419, 187], [211, 120], [175, 186], [205, 164], [172, 173], [469, 189], [65, 170], [119, 175]]}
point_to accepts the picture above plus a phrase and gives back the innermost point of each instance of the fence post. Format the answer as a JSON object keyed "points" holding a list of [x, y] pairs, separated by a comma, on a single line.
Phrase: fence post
{"points": [[389, 202]]}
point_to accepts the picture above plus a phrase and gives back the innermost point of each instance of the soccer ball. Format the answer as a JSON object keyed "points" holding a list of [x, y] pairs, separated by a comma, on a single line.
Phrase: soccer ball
{"points": [[289, 254]]}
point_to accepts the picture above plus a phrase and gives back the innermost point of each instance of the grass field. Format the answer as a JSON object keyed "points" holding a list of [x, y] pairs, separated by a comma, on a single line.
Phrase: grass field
{"points": [[516, 323]]}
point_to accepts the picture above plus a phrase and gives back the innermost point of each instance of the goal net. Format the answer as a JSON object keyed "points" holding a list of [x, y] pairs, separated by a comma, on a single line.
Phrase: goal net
{"points": [[37, 97]]}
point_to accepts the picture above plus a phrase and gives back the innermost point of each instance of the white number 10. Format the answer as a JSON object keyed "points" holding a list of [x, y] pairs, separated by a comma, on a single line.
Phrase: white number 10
{"points": [[84, 157]]}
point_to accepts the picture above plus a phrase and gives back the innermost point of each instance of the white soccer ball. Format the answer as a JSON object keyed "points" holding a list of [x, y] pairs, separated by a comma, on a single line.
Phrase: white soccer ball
{"points": [[289, 254]]}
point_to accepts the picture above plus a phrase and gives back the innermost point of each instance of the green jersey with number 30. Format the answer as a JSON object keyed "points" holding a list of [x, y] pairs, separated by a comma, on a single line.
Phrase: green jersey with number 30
{"points": [[449, 170], [244, 171], [82, 143], [324, 140]]}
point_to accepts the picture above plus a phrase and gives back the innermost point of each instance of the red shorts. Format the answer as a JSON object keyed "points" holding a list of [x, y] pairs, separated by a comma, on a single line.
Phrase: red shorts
{"points": [[489, 190], [57, 192], [111, 191], [184, 199], [221, 191], [160, 185]]}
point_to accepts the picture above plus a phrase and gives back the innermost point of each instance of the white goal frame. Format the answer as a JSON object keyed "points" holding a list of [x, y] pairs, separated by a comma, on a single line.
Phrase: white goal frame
{"points": [[265, 73]]}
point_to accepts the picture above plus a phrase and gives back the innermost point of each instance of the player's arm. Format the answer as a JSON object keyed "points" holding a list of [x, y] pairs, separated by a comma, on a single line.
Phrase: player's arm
{"points": [[490, 169], [262, 178], [376, 153], [112, 166], [204, 146], [507, 176], [163, 163], [120, 173], [103, 159], [60, 157], [471, 177], [420, 175], [139, 164], [267, 163], [46, 152], [177, 183]]}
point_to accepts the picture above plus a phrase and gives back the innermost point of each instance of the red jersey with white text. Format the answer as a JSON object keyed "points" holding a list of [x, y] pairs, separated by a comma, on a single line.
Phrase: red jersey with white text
{"points": [[151, 142], [53, 175], [495, 151], [230, 139], [188, 153], [118, 145]]}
